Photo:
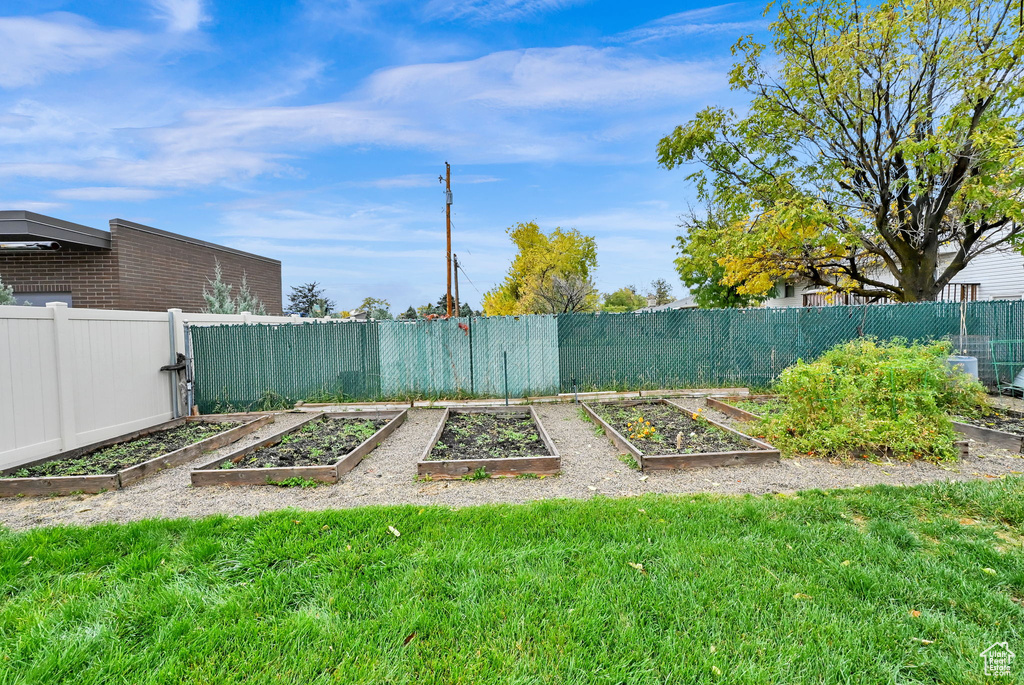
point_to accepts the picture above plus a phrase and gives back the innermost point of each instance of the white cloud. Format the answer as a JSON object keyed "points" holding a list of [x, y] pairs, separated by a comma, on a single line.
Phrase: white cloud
{"points": [[546, 78], [515, 105], [107, 193], [494, 10], [57, 43], [181, 16], [717, 19]]}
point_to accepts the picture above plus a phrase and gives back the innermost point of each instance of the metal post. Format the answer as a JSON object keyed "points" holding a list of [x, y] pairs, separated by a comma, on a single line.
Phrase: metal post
{"points": [[505, 355], [190, 396], [455, 273], [175, 410]]}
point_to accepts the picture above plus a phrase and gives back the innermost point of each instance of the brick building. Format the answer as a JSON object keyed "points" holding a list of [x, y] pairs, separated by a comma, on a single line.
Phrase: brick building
{"points": [[130, 267]]}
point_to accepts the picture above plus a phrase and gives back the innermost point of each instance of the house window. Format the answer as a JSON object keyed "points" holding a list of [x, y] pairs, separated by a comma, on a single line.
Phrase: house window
{"points": [[40, 299], [790, 290]]}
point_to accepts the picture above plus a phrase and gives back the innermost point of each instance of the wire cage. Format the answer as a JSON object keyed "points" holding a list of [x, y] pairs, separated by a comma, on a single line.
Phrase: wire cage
{"points": [[1008, 365]]}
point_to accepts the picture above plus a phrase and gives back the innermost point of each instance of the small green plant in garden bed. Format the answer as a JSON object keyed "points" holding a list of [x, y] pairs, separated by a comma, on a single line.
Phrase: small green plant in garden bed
{"points": [[656, 428], [763, 407], [868, 395], [487, 436], [125, 454], [318, 443]]}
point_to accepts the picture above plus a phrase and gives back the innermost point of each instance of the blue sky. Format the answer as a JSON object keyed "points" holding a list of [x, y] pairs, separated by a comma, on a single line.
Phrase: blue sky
{"points": [[314, 131]]}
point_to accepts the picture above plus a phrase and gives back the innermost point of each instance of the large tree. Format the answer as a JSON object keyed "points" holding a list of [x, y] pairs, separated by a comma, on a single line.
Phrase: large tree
{"points": [[551, 273], [878, 138], [699, 268]]}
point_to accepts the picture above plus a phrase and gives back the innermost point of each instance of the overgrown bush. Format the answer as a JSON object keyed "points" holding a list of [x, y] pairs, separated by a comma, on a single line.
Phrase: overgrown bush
{"points": [[865, 395]]}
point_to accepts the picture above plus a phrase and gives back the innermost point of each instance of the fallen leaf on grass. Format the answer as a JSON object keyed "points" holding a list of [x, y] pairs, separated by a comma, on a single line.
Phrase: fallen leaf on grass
{"points": [[915, 613], [801, 595], [716, 670], [298, 523], [409, 638], [394, 531], [845, 563], [990, 571], [638, 567], [966, 522], [923, 642]]}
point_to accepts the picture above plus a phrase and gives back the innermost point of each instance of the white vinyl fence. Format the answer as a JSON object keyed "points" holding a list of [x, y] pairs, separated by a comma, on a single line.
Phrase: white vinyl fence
{"points": [[73, 377]]}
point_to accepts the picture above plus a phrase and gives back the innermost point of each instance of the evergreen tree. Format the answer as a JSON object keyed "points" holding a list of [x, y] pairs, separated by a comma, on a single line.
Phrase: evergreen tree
{"points": [[218, 301], [6, 294], [248, 302], [303, 298]]}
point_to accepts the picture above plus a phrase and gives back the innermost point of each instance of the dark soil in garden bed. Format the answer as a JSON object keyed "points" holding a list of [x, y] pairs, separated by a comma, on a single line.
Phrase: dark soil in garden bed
{"points": [[663, 429], [319, 443], [488, 436], [126, 454], [998, 420]]}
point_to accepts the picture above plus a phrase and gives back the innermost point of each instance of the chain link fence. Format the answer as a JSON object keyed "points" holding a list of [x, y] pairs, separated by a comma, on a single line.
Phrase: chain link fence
{"points": [[244, 366]]}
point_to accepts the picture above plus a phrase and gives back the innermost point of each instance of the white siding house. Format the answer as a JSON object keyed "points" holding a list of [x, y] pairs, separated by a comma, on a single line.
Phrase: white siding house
{"points": [[995, 275]]}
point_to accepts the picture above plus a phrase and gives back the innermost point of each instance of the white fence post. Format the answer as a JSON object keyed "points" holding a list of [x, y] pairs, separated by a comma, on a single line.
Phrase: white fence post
{"points": [[65, 379], [296, 318], [246, 317]]}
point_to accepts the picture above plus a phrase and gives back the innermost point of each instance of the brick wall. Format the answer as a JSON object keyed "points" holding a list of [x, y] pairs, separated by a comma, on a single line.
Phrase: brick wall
{"points": [[89, 274], [158, 270], [146, 269]]}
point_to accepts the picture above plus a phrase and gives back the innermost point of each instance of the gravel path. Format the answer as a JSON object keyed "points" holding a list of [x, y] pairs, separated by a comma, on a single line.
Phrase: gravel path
{"points": [[590, 467]]}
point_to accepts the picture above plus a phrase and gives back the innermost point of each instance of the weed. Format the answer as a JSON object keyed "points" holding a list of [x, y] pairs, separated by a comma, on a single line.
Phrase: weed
{"points": [[629, 461], [479, 474], [295, 482]]}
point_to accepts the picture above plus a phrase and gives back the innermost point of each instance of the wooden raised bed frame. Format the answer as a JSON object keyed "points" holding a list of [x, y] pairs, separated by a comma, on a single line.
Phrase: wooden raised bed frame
{"points": [[210, 473], [992, 436], [452, 469], [92, 484], [722, 404], [761, 452]]}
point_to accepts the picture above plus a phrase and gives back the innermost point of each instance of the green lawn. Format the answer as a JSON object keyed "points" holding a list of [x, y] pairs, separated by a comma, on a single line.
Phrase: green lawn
{"points": [[820, 587]]}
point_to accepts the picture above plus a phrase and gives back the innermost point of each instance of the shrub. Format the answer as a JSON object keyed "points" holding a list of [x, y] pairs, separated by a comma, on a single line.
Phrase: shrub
{"points": [[865, 395]]}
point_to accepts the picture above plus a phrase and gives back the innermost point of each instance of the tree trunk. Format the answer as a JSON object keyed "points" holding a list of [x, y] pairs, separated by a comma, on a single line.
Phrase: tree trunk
{"points": [[917, 278]]}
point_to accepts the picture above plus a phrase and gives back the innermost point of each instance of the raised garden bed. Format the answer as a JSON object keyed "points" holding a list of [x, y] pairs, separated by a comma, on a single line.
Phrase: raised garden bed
{"points": [[745, 407], [661, 435], [114, 463], [489, 441], [1002, 428], [321, 448]]}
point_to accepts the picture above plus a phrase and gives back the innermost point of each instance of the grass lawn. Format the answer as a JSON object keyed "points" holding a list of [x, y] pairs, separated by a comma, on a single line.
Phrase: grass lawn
{"points": [[878, 585]]}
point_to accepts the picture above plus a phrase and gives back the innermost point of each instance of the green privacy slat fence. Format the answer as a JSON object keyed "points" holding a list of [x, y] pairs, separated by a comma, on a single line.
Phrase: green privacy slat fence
{"points": [[694, 348], [467, 356], [237, 365]]}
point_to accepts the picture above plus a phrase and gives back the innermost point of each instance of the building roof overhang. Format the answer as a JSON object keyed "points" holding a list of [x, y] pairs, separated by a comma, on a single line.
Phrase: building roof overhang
{"points": [[23, 226]]}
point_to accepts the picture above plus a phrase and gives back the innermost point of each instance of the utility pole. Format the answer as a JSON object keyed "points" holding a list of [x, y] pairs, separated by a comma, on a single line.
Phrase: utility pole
{"points": [[455, 259], [447, 180]]}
